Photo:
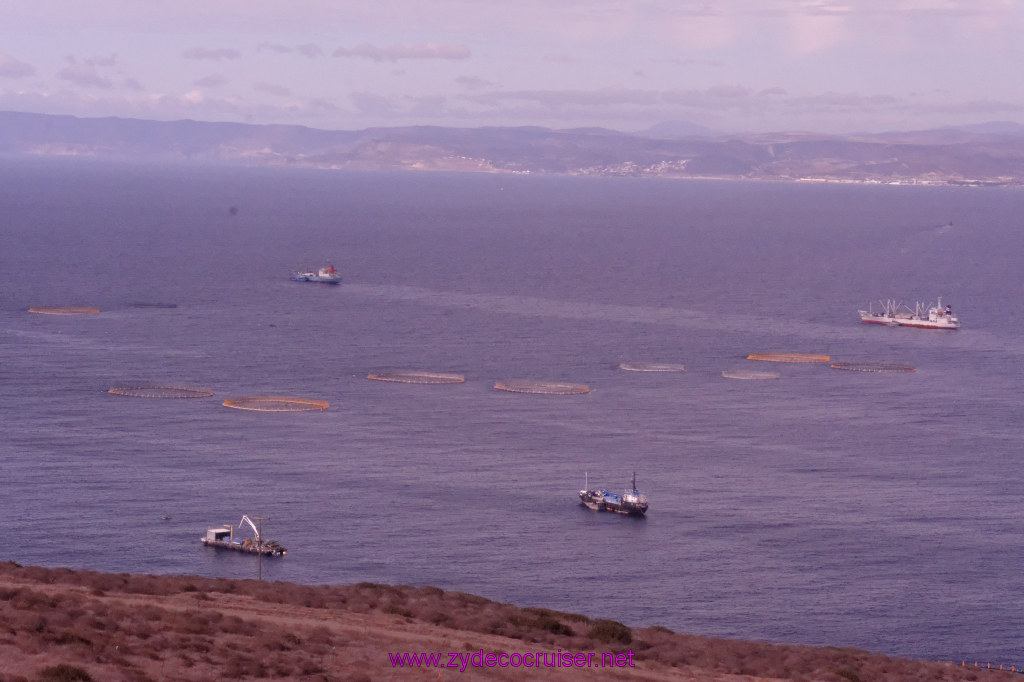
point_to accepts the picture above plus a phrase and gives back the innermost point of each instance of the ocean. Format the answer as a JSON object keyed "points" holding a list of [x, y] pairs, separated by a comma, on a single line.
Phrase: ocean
{"points": [[873, 510]]}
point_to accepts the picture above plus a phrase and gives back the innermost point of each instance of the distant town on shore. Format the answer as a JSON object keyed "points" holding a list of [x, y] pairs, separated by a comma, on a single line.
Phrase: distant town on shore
{"points": [[983, 155]]}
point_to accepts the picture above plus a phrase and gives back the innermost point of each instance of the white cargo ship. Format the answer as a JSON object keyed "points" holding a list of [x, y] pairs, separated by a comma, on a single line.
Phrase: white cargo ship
{"points": [[900, 315]]}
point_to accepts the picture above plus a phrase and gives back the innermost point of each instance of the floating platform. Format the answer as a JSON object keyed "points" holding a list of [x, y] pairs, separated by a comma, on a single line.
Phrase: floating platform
{"points": [[788, 357], [748, 374], [418, 377], [651, 367], [542, 387], [63, 310], [873, 367], [276, 403], [160, 392]]}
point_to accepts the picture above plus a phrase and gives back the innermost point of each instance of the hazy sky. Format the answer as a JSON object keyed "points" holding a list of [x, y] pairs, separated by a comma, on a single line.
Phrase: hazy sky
{"points": [[730, 65]]}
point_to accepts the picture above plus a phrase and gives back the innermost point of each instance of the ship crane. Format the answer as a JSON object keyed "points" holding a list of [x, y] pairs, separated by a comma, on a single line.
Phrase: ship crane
{"points": [[246, 519]]}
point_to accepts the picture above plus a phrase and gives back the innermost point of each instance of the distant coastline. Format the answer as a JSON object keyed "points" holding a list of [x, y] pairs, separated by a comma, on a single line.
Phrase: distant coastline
{"points": [[981, 156]]}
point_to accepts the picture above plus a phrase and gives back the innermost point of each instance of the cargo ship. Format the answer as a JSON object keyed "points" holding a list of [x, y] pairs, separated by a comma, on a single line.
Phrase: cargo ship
{"points": [[223, 537], [924, 316], [630, 502], [326, 275]]}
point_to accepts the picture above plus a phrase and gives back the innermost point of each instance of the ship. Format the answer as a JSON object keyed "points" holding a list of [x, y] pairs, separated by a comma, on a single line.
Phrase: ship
{"points": [[924, 316], [223, 537], [326, 275], [630, 502]]}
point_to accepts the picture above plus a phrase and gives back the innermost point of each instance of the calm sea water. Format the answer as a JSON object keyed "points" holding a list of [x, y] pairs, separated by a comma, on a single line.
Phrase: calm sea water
{"points": [[881, 511]]}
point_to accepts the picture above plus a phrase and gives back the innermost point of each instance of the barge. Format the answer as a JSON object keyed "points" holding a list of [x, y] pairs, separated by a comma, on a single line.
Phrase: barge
{"points": [[223, 537]]}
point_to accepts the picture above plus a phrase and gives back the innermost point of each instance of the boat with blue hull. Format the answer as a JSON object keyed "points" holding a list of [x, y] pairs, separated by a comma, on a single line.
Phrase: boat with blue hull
{"points": [[326, 275], [630, 502]]}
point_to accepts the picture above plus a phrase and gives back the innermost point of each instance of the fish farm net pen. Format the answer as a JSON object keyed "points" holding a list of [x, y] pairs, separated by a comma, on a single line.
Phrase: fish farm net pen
{"points": [[276, 404], [651, 367], [408, 377], [748, 374], [160, 392], [788, 357], [63, 310], [873, 367], [542, 387]]}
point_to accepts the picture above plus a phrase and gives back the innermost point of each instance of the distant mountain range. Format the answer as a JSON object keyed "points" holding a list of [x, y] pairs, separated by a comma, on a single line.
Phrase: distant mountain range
{"points": [[990, 153]]}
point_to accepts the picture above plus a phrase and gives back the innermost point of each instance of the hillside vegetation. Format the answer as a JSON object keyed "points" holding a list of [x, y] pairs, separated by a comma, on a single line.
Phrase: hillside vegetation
{"points": [[60, 624]]}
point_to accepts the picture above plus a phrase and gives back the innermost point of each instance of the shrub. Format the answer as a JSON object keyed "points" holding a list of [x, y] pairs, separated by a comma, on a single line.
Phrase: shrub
{"points": [[543, 619], [64, 673], [578, 617], [438, 618], [610, 631], [370, 586], [848, 674], [396, 610]]}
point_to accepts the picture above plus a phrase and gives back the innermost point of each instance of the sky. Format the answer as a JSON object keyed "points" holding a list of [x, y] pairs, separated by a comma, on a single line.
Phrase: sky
{"points": [[734, 66]]}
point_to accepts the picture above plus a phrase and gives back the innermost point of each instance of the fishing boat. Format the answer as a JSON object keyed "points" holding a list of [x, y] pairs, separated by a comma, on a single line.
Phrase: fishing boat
{"points": [[896, 314], [223, 537], [326, 275], [630, 502]]}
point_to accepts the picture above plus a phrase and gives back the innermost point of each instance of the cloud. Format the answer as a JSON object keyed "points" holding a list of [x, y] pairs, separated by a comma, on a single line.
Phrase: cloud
{"points": [[14, 68], [84, 74], [846, 100], [213, 54], [271, 47], [396, 52], [369, 103], [817, 32], [679, 61], [323, 104], [570, 98], [309, 50], [214, 80], [195, 105], [717, 106], [106, 60], [473, 83], [986, 107], [271, 89]]}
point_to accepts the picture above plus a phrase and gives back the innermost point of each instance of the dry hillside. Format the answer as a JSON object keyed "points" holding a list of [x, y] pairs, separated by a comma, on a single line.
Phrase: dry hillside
{"points": [[59, 624]]}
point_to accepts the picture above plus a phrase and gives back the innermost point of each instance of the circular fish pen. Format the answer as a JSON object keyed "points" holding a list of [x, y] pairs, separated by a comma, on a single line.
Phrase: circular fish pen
{"points": [[272, 403], [788, 357], [160, 392], [542, 387], [407, 377], [748, 374], [651, 367], [63, 310], [873, 367]]}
